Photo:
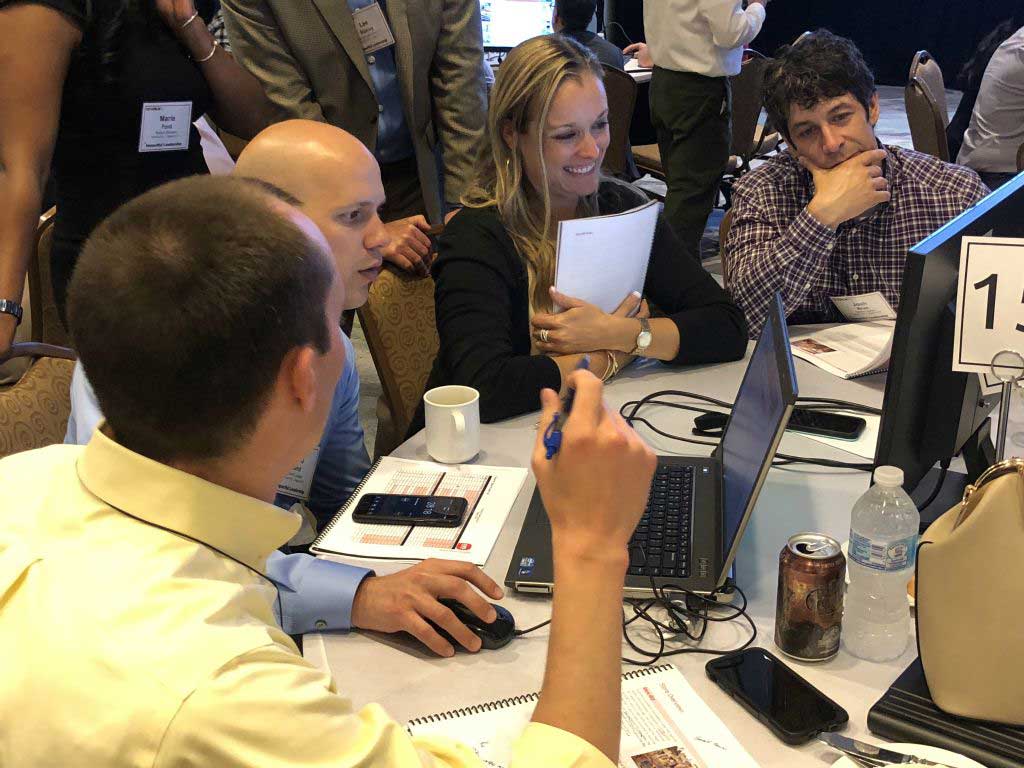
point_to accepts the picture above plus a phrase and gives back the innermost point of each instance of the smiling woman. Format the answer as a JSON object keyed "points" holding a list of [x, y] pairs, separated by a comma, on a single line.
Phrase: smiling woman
{"points": [[494, 293]]}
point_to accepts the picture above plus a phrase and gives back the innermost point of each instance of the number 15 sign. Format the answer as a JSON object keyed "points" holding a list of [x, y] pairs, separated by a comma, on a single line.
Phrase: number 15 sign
{"points": [[990, 305]]}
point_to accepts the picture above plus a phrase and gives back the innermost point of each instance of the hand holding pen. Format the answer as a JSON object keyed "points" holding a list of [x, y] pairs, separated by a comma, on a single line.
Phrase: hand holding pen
{"points": [[553, 433], [595, 487]]}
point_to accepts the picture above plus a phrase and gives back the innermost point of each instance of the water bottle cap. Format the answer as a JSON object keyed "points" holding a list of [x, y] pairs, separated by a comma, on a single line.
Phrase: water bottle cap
{"points": [[891, 477]]}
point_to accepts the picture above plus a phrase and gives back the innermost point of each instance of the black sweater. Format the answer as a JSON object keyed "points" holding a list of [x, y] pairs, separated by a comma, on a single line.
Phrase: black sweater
{"points": [[481, 297]]}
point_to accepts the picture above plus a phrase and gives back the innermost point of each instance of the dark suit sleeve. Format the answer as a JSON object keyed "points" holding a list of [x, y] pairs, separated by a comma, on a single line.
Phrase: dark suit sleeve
{"points": [[711, 327], [480, 346], [459, 92]]}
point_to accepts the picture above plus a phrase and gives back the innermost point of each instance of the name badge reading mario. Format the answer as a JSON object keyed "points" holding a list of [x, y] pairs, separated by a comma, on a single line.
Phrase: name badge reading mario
{"points": [[298, 482], [165, 126], [372, 28]]}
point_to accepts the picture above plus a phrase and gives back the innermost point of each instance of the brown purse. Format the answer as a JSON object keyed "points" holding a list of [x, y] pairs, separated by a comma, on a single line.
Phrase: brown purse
{"points": [[970, 600]]}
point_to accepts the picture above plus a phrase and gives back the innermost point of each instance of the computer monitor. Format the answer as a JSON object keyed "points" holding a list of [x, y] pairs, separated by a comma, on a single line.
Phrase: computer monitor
{"points": [[931, 412], [506, 23]]}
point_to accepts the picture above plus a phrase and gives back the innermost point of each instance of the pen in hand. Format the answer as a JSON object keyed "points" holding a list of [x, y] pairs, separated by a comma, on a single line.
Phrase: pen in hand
{"points": [[553, 434]]}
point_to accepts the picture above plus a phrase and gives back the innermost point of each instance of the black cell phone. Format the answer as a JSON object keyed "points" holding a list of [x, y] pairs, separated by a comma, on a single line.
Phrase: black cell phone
{"points": [[403, 509], [792, 708], [815, 422]]}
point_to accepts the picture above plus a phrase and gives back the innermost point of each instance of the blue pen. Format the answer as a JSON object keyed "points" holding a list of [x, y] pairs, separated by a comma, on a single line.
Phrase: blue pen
{"points": [[553, 434]]}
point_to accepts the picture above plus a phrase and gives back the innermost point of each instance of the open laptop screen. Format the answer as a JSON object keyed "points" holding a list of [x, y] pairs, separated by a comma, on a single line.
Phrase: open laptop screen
{"points": [[763, 404]]}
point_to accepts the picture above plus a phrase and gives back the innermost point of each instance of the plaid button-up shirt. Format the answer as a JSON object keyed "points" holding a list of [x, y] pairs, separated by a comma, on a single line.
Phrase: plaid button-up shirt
{"points": [[774, 244]]}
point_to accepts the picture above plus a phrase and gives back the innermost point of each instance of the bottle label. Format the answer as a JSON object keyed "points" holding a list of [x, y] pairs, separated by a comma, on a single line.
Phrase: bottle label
{"points": [[883, 555]]}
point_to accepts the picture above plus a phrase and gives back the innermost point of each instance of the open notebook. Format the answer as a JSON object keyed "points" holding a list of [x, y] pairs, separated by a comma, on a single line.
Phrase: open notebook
{"points": [[664, 723], [847, 350]]}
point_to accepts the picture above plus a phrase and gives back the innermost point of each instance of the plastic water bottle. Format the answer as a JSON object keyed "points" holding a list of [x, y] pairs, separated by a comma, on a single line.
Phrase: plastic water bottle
{"points": [[883, 545]]}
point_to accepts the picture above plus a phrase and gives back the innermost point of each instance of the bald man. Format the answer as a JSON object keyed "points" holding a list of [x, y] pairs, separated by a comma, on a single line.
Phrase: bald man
{"points": [[332, 178]]}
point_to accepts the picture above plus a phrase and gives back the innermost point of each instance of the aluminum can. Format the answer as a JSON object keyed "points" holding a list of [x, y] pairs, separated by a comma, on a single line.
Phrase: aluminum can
{"points": [[809, 606]]}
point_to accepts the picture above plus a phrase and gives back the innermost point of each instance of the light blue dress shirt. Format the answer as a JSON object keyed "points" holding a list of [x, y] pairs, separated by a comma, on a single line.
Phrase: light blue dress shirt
{"points": [[394, 142], [316, 595]]}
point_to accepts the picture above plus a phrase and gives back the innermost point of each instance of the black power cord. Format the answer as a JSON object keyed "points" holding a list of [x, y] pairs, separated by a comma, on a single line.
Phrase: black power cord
{"points": [[943, 471], [629, 411], [682, 607]]}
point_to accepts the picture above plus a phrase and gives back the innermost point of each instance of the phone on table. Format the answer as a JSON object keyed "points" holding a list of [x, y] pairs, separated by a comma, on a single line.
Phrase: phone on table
{"points": [[406, 509], [792, 708], [815, 422]]}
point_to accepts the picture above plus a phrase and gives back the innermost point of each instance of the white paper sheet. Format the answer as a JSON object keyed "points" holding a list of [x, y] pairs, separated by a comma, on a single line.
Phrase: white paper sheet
{"points": [[602, 259], [490, 491]]}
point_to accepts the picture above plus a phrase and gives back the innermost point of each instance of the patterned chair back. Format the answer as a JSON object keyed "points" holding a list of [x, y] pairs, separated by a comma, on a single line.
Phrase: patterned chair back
{"points": [[34, 411], [401, 332]]}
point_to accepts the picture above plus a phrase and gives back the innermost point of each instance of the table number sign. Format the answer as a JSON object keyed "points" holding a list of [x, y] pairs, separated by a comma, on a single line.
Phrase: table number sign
{"points": [[990, 306]]}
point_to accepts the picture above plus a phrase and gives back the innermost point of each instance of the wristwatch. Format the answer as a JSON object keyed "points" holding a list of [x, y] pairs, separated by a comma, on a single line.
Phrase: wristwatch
{"points": [[643, 339], [11, 308]]}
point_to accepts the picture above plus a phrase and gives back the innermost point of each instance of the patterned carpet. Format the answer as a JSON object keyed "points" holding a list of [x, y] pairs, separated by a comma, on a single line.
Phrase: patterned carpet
{"points": [[892, 128]]}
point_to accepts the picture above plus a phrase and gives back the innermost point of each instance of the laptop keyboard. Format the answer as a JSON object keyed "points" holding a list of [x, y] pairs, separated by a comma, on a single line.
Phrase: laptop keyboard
{"points": [[661, 543]]}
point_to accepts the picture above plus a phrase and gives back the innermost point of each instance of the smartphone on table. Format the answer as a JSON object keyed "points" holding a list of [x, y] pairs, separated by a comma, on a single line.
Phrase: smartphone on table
{"points": [[791, 707], [406, 509], [815, 422]]}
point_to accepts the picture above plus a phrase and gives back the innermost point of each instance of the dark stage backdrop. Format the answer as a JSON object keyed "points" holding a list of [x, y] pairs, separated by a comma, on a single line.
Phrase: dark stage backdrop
{"points": [[888, 32]]}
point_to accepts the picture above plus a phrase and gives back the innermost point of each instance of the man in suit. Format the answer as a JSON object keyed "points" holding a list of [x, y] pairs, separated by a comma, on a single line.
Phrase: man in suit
{"points": [[409, 84]]}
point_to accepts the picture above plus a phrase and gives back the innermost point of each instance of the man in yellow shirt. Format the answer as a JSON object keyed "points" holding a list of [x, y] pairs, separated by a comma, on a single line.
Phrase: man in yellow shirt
{"points": [[136, 622]]}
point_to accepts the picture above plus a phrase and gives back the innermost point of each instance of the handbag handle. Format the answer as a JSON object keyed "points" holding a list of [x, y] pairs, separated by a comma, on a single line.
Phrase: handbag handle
{"points": [[997, 470]]}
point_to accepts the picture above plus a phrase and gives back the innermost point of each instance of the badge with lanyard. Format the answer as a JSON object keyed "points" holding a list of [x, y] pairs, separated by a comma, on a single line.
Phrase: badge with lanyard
{"points": [[373, 28]]}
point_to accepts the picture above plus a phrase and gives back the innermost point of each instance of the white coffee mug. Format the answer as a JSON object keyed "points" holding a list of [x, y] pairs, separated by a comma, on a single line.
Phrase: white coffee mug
{"points": [[453, 423]]}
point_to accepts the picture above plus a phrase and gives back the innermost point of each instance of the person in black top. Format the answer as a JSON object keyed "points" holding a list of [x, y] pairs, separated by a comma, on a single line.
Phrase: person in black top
{"points": [[107, 90], [548, 128], [572, 19]]}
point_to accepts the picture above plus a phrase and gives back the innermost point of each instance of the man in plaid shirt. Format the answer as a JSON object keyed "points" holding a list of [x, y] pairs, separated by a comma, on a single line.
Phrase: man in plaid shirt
{"points": [[836, 213]]}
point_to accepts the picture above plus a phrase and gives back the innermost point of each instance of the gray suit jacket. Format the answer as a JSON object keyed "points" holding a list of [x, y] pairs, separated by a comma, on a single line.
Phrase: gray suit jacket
{"points": [[307, 56]]}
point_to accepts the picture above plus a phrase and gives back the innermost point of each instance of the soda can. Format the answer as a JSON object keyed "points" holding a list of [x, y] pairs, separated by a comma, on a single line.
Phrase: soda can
{"points": [[809, 607]]}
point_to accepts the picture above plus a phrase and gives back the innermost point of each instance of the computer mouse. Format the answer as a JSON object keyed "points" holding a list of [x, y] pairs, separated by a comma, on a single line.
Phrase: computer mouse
{"points": [[495, 635]]}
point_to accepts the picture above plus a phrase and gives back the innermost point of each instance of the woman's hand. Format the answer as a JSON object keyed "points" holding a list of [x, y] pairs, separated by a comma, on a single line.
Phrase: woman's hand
{"points": [[582, 327], [176, 12], [193, 34]]}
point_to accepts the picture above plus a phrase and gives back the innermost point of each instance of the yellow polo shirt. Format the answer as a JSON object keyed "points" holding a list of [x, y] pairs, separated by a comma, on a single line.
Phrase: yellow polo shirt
{"points": [[136, 630]]}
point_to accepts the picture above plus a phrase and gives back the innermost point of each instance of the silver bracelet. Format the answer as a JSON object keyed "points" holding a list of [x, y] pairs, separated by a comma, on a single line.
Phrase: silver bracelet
{"points": [[208, 56], [189, 20]]}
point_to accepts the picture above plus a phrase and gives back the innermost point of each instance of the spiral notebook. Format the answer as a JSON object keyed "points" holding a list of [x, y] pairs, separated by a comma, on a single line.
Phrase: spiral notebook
{"points": [[600, 259], [664, 723], [489, 491], [847, 350]]}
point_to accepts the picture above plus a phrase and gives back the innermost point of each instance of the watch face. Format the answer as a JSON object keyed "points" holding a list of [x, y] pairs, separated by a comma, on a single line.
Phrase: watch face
{"points": [[644, 339]]}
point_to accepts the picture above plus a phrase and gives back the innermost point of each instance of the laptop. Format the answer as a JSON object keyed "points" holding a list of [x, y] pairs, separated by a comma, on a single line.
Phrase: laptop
{"points": [[698, 507]]}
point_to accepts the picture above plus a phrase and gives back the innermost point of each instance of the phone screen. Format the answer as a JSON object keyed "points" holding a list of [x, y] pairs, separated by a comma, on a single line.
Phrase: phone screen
{"points": [[399, 509], [783, 700]]}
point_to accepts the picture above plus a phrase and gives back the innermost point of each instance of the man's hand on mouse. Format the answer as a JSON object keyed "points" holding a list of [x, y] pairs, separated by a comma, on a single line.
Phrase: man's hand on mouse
{"points": [[405, 601]]}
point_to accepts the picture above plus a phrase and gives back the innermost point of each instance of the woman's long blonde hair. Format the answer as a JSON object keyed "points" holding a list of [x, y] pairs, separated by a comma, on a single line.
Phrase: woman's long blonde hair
{"points": [[523, 91]]}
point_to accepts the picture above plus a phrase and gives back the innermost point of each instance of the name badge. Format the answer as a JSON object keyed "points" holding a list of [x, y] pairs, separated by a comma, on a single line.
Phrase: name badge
{"points": [[297, 483], [165, 126], [864, 307], [372, 28]]}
